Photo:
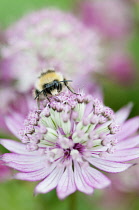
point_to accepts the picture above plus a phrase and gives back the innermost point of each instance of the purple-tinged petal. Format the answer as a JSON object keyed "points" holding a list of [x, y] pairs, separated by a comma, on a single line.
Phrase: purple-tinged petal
{"points": [[128, 143], [16, 147], [94, 178], [24, 163], [66, 185], [5, 172], [32, 176], [26, 167], [109, 166], [129, 127], [14, 123], [22, 159], [123, 113], [123, 155], [36, 175], [80, 182], [50, 182]]}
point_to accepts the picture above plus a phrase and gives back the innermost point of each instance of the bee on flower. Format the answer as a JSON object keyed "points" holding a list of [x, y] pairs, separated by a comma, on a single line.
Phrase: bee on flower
{"points": [[49, 83], [68, 140]]}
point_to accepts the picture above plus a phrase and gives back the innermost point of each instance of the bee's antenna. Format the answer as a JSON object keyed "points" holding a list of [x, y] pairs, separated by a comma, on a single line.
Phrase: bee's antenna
{"points": [[66, 81]]}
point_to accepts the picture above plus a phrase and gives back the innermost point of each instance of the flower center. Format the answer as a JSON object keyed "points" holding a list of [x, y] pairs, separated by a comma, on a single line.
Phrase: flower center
{"points": [[77, 150], [79, 147]]}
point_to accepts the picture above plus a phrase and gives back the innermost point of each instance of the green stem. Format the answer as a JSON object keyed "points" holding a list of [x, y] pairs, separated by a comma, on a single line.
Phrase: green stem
{"points": [[72, 202]]}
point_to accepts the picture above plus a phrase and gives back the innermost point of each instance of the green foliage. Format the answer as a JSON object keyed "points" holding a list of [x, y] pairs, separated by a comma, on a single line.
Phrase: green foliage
{"points": [[14, 9]]}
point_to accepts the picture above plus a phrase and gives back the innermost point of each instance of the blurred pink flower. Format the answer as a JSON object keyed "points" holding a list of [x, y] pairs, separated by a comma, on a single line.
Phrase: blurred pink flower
{"points": [[63, 140], [120, 67], [5, 100], [112, 18], [127, 182], [12, 101], [124, 189]]}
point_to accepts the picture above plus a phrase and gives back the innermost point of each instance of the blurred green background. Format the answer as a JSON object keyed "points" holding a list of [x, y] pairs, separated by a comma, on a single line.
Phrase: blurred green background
{"points": [[12, 10], [19, 194]]}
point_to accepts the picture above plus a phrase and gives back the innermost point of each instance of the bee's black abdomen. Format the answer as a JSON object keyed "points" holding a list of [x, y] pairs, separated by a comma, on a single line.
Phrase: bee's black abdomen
{"points": [[49, 87], [46, 91]]}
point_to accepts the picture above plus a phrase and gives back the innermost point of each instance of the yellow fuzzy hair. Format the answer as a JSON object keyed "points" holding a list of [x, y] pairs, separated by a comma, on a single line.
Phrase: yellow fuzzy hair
{"points": [[48, 77]]}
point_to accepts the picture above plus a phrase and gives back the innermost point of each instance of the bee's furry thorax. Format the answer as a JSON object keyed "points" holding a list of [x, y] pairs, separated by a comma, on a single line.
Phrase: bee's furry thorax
{"points": [[48, 77]]}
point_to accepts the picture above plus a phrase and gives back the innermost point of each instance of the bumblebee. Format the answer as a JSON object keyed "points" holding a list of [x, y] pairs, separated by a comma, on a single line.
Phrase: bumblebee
{"points": [[50, 83]]}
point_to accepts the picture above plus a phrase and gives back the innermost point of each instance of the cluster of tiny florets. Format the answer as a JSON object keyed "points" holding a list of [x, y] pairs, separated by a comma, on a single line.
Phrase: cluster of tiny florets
{"points": [[70, 127]]}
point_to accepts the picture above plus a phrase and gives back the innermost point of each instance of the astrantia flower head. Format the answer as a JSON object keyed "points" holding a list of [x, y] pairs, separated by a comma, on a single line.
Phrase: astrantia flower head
{"points": [[64, 140], [48, 39]]}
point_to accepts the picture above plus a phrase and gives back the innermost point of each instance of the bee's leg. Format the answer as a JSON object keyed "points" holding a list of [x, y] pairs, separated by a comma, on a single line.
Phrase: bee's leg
{"points": [[38, 102], [37, 93], [66, 84], [45, 92], [47, 98]]}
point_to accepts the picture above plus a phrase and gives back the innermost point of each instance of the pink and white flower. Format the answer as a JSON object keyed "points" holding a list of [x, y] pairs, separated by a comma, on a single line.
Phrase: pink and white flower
{"points": [[68, 140]]}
